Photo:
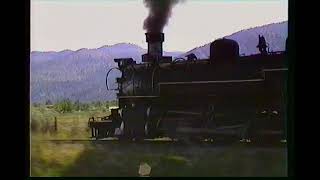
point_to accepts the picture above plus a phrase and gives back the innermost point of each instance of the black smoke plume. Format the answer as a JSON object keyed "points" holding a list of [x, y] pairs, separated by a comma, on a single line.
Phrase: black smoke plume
{"points": [[159, 13]]}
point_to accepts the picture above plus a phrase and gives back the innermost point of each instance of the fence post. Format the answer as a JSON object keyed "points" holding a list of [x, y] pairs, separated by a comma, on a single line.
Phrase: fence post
{"points": [[55, 124]]}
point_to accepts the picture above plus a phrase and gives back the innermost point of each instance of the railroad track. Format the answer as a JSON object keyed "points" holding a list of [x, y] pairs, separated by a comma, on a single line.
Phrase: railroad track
{"points": [[168, 142]]}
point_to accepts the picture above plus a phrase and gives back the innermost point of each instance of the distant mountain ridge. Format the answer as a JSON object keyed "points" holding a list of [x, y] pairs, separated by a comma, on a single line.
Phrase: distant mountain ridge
{"points": [[275, 35], [78, 75], [81, 74]]}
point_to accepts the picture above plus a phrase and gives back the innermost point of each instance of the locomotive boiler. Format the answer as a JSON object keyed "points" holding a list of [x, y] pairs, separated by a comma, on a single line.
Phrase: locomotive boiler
{"points": [[226, 95]]}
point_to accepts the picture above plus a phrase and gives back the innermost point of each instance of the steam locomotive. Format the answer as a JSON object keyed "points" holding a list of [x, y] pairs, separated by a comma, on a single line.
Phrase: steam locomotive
{"points": [[224, 96]]}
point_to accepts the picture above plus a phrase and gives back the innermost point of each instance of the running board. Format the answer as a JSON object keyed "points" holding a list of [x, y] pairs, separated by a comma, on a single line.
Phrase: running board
{"points": [[223, 130]]}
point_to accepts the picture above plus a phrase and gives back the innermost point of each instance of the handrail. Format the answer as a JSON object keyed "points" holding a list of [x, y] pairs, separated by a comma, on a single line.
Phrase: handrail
{"points": [[132, 77], [108, 75], [152, 77], [176, 60]]}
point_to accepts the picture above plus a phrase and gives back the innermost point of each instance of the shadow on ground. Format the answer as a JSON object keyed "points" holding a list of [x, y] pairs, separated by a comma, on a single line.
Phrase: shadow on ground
{"points": [[183, 160]]}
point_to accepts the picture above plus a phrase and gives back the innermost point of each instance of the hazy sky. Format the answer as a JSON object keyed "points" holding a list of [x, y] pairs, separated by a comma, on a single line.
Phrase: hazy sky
{"points": [[73, 24]]}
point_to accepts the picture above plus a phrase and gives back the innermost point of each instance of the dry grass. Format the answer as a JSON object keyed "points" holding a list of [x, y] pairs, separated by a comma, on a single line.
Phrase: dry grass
{"points": [[87, 159], [114, 159]]}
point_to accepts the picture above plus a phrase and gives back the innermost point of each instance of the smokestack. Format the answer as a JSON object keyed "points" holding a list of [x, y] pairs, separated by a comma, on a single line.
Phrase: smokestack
{"points": [[155, 41], [155, 52], [159, 13]]}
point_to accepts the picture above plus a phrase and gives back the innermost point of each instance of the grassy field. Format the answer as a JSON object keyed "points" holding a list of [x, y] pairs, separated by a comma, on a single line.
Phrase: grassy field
{"points": [[69, 125], [118, 159]]}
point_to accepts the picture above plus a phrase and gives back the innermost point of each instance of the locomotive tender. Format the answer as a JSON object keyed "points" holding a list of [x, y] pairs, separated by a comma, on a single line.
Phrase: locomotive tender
{"points": [[226, 95]]}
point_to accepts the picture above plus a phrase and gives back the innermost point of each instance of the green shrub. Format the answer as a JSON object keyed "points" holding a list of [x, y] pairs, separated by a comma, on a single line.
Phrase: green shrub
{"points": [[48, 102], [84, 107], [64, 106]]}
